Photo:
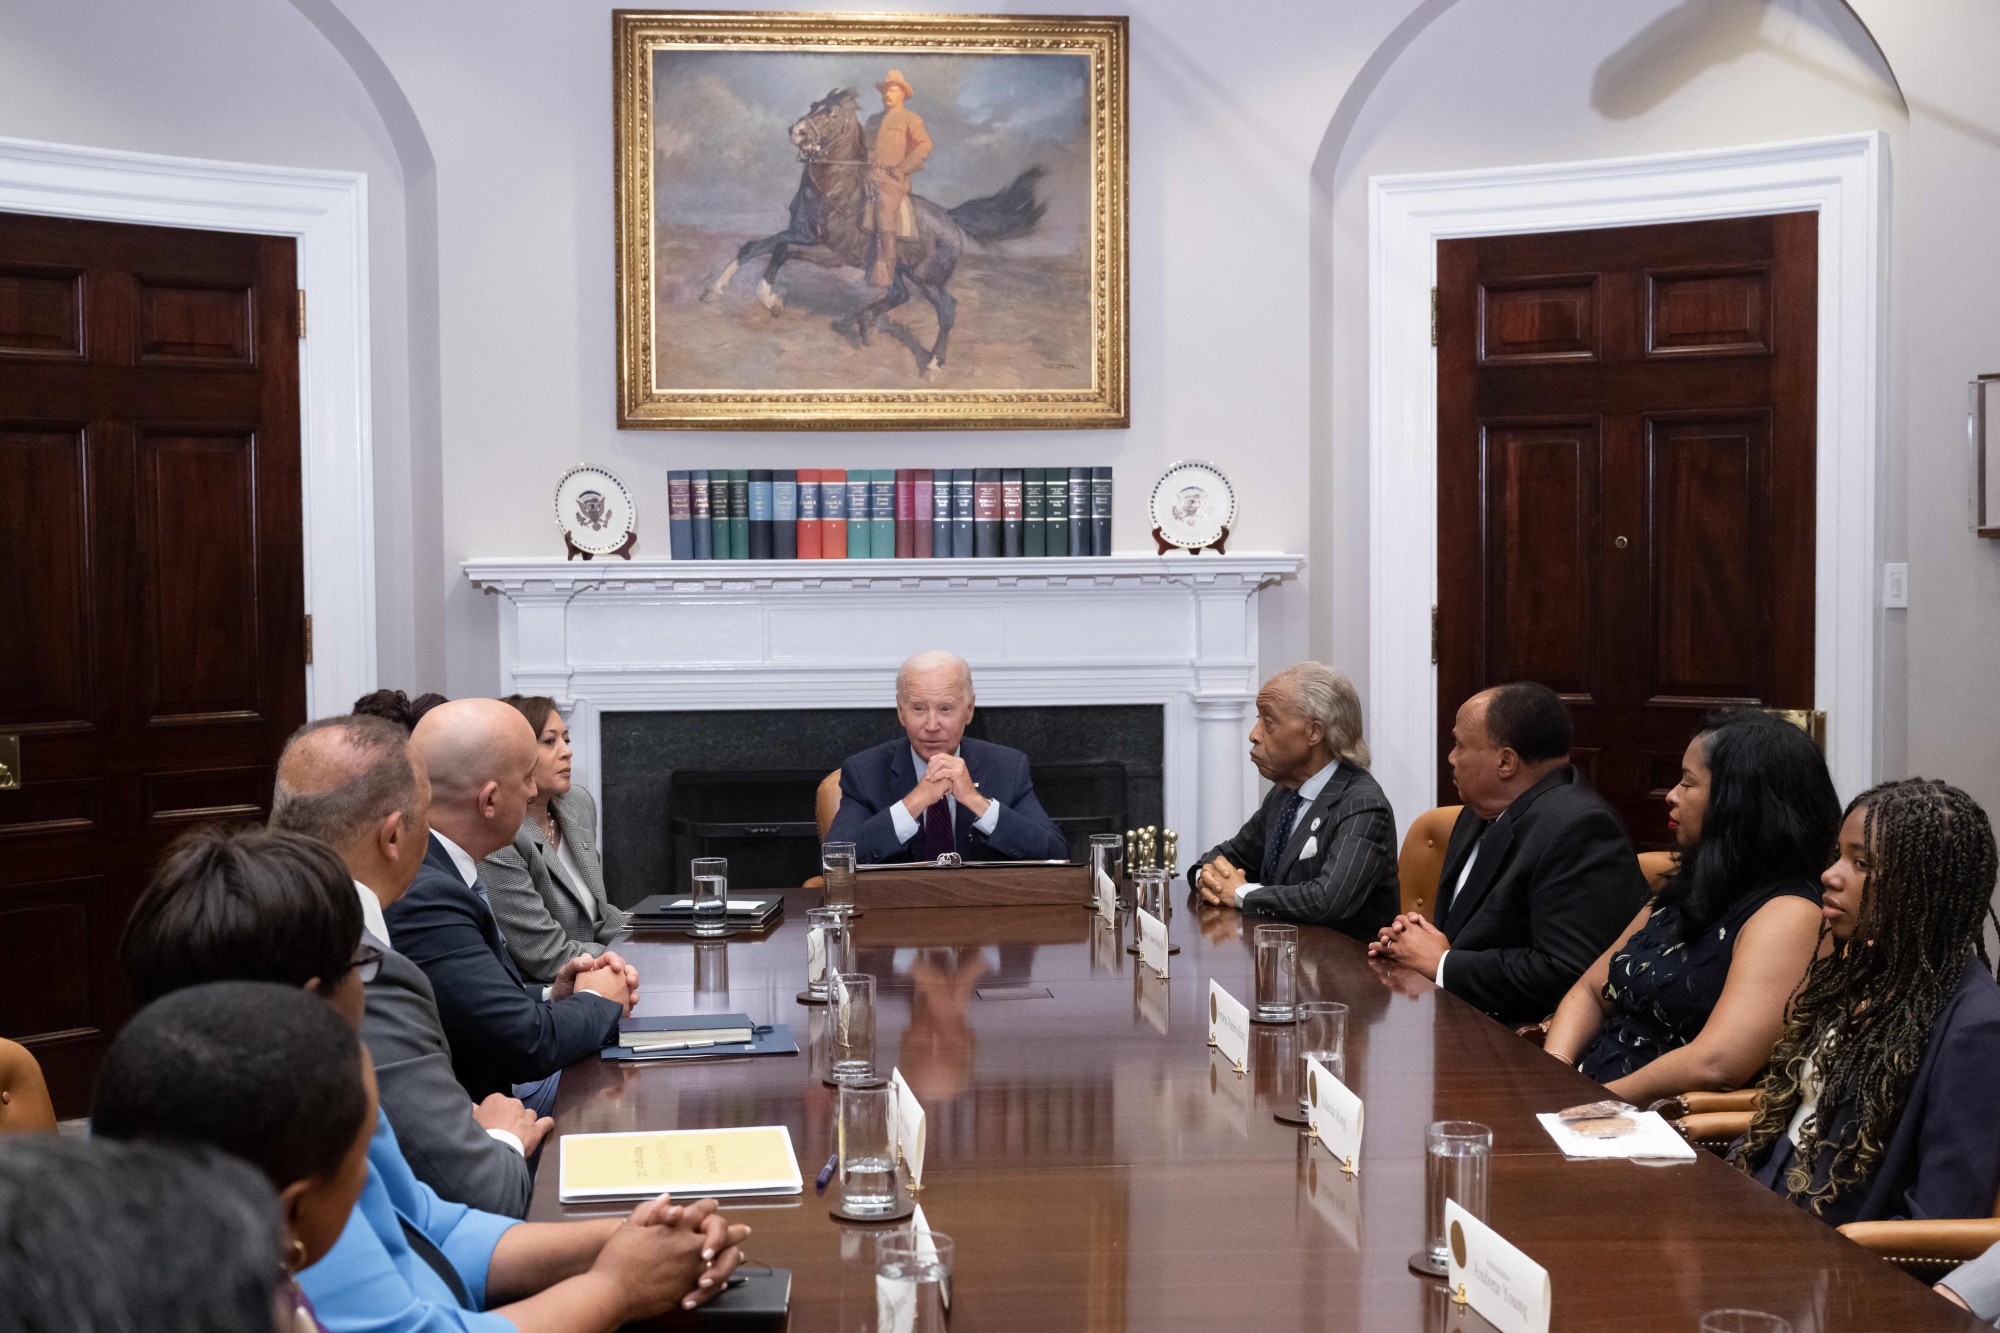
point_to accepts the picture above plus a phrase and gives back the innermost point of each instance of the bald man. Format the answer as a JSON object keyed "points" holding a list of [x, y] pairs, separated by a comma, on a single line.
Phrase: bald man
{"points": [[932, 791], [506, 1035]]}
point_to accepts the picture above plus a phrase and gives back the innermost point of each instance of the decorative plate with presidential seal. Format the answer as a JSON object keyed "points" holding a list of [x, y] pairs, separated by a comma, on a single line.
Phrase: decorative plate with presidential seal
{"points": [[1193, 507], [596, 513]]}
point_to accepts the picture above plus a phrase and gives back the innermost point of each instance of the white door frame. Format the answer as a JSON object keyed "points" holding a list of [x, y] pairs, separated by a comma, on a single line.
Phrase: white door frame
{"points": [[1843, 179], [326, 212]]}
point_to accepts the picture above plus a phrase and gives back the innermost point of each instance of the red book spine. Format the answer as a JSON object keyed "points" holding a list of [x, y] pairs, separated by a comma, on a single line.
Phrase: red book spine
{"points": [[906, 513], [833, 523], [920, 513], [810, 524]]}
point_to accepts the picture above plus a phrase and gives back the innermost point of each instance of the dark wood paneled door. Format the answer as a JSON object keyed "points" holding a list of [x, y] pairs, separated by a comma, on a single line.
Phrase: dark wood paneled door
{"points": [[151, 587], [1625, 483]]}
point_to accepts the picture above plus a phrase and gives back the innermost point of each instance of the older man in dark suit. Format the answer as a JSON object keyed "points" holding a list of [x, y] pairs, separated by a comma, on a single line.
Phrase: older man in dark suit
{"points": [[1539, 876], [1322, 847], [933, 790]]}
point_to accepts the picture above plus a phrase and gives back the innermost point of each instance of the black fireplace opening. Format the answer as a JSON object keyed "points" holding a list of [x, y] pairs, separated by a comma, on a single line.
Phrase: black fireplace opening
{"points": [[742, 785]]}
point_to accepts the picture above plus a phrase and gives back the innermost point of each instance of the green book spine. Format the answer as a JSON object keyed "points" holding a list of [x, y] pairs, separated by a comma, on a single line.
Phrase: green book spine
{"points": [[1034, 513], [739, 513], [1055, 506]]}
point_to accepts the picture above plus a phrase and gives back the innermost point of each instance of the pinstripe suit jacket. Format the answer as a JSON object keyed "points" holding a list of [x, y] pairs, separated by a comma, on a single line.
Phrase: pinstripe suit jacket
{"points": [[1349, 879], [540, 912]]}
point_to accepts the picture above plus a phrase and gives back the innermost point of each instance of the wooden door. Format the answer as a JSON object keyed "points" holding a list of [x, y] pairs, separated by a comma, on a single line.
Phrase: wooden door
{"points": [[151, 587], [1625, 483]]}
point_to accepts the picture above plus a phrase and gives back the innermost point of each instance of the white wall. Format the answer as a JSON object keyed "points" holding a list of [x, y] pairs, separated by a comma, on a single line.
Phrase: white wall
{"points": [[485, 134]]}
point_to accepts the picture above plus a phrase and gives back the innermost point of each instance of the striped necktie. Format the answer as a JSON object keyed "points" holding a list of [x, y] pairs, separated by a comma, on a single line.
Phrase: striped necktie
{"points": [[938, 834]]}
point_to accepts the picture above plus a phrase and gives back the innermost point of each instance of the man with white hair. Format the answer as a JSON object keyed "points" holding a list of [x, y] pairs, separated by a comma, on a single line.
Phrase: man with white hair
{"points": [[933, 792], [1322, 847]]}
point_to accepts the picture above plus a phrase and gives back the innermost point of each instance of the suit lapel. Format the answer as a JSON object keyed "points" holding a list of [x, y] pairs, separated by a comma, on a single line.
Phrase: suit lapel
{"points": [[1493, 849], [489, 926], [1311, 816]]}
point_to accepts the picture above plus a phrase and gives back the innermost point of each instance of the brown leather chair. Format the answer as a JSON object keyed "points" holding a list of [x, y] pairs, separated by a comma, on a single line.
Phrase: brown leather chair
{"points": [[1928, 1250], [25, 1107], [1422, 859], [1656, 866], [1711, 1120], [826, 804]]}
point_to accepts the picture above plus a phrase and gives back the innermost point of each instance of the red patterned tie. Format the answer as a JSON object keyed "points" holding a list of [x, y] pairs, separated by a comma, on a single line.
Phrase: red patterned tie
{"points": [[937, 830]]}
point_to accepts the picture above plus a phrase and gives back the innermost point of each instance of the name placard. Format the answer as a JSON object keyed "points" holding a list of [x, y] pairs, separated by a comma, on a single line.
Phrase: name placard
{"points": [[909, 1127], [815, 956], [1107, 897], [1228, 1025], [1335, 1115], [1153, 946], [1504, 1285]]}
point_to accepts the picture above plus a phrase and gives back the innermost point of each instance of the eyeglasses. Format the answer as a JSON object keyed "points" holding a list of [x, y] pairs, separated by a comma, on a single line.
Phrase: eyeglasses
{"points": [[367, 961]]}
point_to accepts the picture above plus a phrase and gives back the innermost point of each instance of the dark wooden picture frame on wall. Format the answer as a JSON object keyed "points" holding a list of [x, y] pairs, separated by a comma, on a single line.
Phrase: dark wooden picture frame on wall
{"points": [[1982, 430], [759, 289]]}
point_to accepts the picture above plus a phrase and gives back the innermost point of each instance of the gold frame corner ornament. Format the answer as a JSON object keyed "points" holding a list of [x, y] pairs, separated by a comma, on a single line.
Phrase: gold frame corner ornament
{"points": [[637, 34]]}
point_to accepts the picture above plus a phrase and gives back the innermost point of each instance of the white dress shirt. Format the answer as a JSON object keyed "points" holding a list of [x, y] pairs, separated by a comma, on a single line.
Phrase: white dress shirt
{"points": [[1457, 889], [373, 925], [908, 825], [1309, 791], [468, 870]]}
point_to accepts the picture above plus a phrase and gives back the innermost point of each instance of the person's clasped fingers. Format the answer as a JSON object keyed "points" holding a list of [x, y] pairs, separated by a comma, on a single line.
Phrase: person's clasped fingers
{"points": [[715, 1280]]}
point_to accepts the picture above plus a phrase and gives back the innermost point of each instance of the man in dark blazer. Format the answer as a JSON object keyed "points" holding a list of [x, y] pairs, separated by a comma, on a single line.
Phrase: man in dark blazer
{"points": [[507, 1035], [1322, 847], [1539, 876], [932, 791], [350, 783]]}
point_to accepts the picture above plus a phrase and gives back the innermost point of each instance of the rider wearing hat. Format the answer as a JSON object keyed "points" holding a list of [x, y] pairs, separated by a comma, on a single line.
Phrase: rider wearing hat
{"points": [[901, 145]]}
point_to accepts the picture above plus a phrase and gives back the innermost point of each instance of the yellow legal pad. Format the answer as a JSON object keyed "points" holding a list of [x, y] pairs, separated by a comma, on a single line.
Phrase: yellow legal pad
{"points": [[687, 1163]]}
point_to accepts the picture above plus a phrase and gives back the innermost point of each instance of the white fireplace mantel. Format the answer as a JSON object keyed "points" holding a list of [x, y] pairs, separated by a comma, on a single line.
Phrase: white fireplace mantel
{"points": [[1178, 631]]}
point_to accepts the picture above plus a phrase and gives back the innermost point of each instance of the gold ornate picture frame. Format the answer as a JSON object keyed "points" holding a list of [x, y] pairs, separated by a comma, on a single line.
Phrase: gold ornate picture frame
{"points": [[869, 221]]}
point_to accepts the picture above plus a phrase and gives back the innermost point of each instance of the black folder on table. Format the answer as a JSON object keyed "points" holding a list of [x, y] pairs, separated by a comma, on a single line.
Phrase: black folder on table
{"points": [[759, 1301], [749, 911], [709, 1037]]}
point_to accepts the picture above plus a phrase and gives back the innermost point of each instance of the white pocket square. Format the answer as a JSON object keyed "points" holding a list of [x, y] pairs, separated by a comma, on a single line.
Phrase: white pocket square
{"points": [[1311, 848]]}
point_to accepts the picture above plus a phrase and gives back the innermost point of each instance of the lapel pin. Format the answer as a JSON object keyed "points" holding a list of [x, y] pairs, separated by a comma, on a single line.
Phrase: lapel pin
{"points": [[1315, 824]]}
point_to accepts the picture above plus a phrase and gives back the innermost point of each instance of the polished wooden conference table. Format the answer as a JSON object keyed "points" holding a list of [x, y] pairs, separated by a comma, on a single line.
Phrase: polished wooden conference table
{"points": [[1101, 1167]]}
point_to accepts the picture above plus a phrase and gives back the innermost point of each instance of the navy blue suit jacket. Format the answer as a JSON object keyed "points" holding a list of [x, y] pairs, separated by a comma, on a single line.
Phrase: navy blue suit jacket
{"points": [[877, 778], [501, 1030]]}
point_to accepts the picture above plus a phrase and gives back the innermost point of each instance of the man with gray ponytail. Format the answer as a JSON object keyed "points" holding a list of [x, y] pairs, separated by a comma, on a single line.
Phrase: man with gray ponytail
{"points": [[1322, 848]]}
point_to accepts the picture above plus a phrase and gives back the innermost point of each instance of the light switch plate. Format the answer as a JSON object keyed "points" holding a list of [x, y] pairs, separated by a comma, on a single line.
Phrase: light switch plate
{"points": [[1896, 586]]}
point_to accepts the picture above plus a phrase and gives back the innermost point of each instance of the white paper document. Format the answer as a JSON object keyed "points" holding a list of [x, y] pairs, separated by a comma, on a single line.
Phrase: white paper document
{"points": [[1504, 1285], [909, 1126], [1653, 1140], [1335, 1115], [1107, 897], [1153, 943], [1228, 1024]]}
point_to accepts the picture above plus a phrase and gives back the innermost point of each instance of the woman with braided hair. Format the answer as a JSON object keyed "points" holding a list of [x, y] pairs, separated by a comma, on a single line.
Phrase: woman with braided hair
{"points": [[1883, 1095]]}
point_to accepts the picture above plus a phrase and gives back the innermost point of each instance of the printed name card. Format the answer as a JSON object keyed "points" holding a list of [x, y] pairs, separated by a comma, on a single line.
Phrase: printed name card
{"points": [[1504, 1285], [1335, 1115], [815, 956], [1107, 897], [909, 1127], [1153, 946], [1228, 1025]]}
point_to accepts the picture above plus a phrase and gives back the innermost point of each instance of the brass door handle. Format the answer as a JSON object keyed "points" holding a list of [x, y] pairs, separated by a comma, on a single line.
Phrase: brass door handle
{"points": [[10, 763]]}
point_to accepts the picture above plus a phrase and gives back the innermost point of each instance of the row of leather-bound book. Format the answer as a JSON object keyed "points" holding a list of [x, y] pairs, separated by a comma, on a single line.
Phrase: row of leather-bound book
{"points": [[888, 514]]}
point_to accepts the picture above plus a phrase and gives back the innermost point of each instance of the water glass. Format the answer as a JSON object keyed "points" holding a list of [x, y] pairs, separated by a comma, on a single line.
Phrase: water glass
{"points": [[912, 1282], [827, 951], [853, 1036], [865, 1128], [711, 896], [1743, 1321], [1150, 887], [1107, 859], [1277, 974], [1323, 1036], [836, 866], [1458, 1155]]}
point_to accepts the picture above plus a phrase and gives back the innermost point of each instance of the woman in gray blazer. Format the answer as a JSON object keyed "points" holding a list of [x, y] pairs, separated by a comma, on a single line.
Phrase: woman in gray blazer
{"points": [[548, 888]]}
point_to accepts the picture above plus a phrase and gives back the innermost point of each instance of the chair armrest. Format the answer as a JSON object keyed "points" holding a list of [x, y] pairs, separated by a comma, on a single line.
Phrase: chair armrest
{"points": [[1927, 1249], [1535, 1033], [1706, 1103], [816, 882], [1714, 1130]]}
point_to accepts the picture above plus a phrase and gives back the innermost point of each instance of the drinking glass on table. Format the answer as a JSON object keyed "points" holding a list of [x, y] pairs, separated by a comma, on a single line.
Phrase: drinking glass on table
{"points": [[836, 867], [1323, 1036], [710, 911], [852, 1041], [1743, 1321], [912, 1279], [1107, 861], [865, 1130], [1458, 1154], [1277, 951], [827, 952]]}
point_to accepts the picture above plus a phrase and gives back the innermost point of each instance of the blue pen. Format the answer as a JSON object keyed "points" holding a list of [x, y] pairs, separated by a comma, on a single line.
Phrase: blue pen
{"points": [[826, 1174]]}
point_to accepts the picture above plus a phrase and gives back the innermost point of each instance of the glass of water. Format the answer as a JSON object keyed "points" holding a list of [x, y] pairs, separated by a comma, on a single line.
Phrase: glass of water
{"points": [[1743, 1321], [866, 1130], [711, 896], [1277, 974], [836, 867], [1323, 1036], [913, 1281], [1107, 861], [1458, 1155], [1150, 887], [853, 1037], [826, 950]]}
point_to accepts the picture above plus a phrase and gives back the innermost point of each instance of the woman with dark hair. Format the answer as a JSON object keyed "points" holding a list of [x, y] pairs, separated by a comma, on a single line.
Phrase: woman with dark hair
{"points": [[395, 706], [548, 888], [1692, 995], [1880, 1099]]}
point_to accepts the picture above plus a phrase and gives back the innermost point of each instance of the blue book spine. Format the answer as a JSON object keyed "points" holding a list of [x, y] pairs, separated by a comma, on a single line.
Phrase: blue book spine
{"points": [[698, 513], [680, 537], [860, 496], [940, 515], [760, 514], [882, 514], [785, 515], [1100, 511], [961, 512]]}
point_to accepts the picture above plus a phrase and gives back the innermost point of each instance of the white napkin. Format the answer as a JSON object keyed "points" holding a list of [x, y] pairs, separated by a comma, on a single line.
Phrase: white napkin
{"points": [[1652, 1140]]}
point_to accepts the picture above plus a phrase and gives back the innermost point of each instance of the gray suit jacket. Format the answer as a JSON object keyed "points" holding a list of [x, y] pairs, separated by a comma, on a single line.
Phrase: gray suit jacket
{"points": [[426, 1103], [1978, 1285], [539, 911]]}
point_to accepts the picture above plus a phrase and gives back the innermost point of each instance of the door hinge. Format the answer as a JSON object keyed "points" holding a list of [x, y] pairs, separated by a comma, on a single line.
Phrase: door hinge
{"points": [[1434, 316], [302, 318], [309, 641], [1434, 634]]}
